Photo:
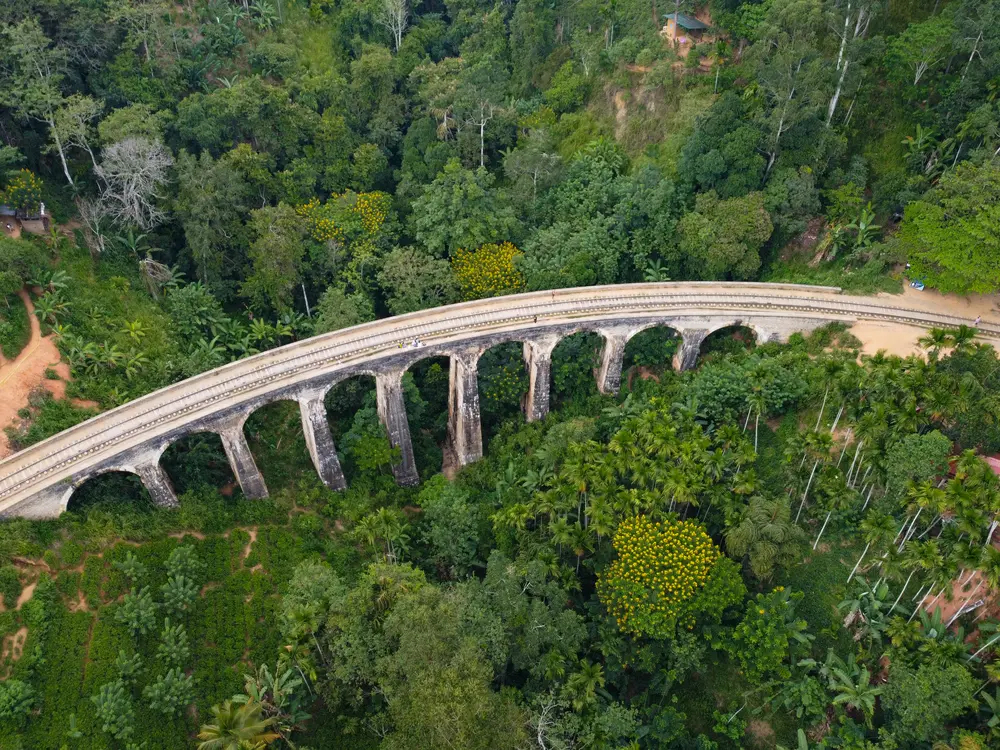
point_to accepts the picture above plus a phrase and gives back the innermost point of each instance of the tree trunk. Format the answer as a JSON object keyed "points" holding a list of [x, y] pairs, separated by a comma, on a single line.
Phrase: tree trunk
{"points": [[989, 643], [835, 421], [804, 494], [975, 51], [868, 498], [821, 408], [965, 603], [59, 148], [904, 590], [858, 563], [836, 94], [818, 536]]}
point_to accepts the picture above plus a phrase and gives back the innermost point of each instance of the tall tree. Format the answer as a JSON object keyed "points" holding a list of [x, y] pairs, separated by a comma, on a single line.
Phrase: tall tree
{"points": [[790, 71], [34, 70]]}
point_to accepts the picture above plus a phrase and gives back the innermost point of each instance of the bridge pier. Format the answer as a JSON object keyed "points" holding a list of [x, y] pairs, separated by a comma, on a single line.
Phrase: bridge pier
{"points": [[686, 356], [319, 441], [241, 459], [538, 360], [392, 412], [464, 425], [157, 483], [609, 377]]}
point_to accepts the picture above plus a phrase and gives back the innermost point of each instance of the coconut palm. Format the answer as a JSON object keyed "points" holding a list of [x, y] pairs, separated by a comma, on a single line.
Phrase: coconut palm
{"points": [[236, 727], [765, 537], [935, 340]]}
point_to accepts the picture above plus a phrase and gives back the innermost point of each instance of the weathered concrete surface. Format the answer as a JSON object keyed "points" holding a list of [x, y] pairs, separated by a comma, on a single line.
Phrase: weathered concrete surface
{"points": [[392, 412], [319, 441], [38, 481], [609, 377], [464, 425], [241, 460], [538, 360]]}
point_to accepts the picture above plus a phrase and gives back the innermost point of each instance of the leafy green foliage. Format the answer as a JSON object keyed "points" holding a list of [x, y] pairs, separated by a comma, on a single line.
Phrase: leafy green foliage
{"points": [[920, 702], [768, 637], [137, 611], [115, 710], [170, 692]]}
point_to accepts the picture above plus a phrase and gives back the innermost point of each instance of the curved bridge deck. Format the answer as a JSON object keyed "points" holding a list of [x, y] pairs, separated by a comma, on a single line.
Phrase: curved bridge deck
{"points": [[38, 481]]}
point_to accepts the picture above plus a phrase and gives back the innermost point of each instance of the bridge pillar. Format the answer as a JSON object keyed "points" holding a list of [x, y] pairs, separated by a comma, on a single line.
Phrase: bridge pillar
{"points": [[392, 412], [241, 459], [319, 441], [538, 360], [157, 483], [464, 428], [686, 356], [609, 377]]}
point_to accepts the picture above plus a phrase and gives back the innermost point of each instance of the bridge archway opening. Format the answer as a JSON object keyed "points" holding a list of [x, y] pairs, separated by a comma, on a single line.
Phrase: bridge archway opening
{"points": [[278, 443], [198, 460], [425, 393], [575, 363], [112, 491], [650, 353], [344, 400], [503, 384], [729, 340], [352, 413]]}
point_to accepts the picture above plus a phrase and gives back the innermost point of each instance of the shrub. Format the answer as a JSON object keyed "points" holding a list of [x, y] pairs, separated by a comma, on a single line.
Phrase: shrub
{"points": [[137, 611], [115, 710], [16, 701], [10, 585], [170, 692]]}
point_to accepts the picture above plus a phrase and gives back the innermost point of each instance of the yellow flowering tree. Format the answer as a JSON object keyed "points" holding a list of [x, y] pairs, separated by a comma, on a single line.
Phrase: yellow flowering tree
{"points": [[489, 271], [24, 192], [352, 223], [667, 574]]}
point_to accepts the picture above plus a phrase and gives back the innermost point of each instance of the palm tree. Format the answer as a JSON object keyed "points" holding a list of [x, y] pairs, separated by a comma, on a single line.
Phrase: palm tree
{"points": [[582, 685], [878, 529], [935, 340], [236, 727], [854, 690], [765, 536], [963, 337]]}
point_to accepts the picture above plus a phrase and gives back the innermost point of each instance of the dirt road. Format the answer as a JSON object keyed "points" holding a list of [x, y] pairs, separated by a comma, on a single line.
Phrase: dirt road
{"points": [[26, 372], [902, 340]]}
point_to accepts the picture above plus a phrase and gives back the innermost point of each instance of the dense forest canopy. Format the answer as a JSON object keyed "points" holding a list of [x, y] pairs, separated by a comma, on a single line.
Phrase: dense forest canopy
{"points": [[790, 547]]}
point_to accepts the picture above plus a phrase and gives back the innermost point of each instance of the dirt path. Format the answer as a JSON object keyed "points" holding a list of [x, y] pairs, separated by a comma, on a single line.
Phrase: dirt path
{"points": [[902, 340], [26, 372]]}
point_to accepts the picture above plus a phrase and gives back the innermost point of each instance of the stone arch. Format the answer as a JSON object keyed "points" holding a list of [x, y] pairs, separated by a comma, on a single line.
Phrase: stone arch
{"points": [[653, 344], [76, 493], [502, 379], [577, 361], [197, 456], [733, 330], [431, 371]]}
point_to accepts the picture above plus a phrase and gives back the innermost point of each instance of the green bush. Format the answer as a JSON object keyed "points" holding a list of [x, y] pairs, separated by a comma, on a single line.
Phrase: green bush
{"points": [[10, 585], [15, 328], [16, 701], [71, 554]]}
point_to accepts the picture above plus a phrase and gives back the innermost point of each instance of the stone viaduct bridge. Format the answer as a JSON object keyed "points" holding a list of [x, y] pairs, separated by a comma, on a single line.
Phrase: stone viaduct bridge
{"points": [[38, 481]]}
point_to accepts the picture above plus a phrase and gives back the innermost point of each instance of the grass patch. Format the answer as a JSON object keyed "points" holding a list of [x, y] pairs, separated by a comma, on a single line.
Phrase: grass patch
{"points": [[15, 327], [871, 278]]}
